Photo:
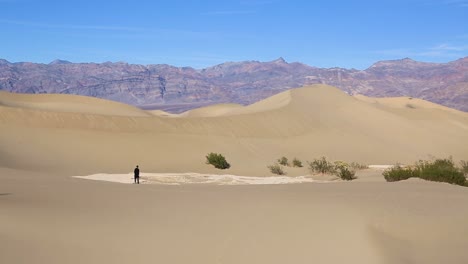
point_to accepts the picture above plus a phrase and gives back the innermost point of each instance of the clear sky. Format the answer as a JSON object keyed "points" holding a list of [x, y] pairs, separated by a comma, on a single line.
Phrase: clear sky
{"points": [[350, 34]]}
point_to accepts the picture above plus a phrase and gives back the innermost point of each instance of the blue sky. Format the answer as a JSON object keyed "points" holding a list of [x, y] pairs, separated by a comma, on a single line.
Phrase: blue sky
{"points": [[350, 34]]}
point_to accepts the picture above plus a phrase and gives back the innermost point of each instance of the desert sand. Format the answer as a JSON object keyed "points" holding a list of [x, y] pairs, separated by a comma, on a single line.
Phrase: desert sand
{"points": [[48, 216]]}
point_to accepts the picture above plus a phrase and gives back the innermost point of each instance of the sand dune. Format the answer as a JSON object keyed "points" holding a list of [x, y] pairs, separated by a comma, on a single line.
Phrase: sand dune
{"points": [[68, 103], [162, 113], [213, 110], [305, 123], [47, 216], [406, 102]]}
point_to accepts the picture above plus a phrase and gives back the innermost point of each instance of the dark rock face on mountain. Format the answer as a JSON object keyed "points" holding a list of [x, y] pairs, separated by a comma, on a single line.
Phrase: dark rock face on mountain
{"points": [[178, 89]]}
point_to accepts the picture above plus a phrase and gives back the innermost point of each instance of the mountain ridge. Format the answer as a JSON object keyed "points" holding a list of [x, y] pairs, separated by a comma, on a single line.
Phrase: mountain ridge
{"points": [[162, 86]]}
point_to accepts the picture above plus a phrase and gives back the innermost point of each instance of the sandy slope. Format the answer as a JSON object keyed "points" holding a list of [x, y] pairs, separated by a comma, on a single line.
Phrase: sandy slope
{"points": [[67, 103], [213, 110], [406, 102], [305, 123], [46, 216]]}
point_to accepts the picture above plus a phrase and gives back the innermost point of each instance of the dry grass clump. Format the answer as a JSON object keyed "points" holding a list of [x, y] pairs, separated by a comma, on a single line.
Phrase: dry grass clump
{"points": [[297, 163], [344, 170], [398, 173], [277, 169], [322, 166], [283, 161], [339, 168], [439, 170]]}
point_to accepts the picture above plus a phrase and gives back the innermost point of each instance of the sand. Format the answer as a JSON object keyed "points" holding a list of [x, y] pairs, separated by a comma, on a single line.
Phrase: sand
{"points": [[212, 216], [199, 178], [55, 219], [305, 123]]}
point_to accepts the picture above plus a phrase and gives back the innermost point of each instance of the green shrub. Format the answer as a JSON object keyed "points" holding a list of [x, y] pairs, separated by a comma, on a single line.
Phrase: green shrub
{"points": [[464, 166], [398, 173], [321, 166], [217, 160], [439, 170], [297, 163], [283, 161], [277, 169], [343, 171]]}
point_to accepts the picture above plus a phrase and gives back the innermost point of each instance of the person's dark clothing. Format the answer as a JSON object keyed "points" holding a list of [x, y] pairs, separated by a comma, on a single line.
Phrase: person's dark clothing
{"points": [[136, 172]]}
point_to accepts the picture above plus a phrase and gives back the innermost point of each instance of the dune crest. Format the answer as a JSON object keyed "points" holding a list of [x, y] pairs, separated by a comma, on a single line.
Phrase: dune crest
{"points": [[68, 104], [307, 123], [406, 103]]}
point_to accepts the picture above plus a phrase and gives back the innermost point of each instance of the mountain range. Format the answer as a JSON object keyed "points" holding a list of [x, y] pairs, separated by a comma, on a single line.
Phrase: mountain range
{"points": [[177, 89]]}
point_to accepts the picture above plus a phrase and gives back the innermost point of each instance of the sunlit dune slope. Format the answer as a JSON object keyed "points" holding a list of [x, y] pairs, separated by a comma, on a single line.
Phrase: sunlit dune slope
{"points": [[211, 111], [161, 113], [68, 103], [305, 123], [406, 103]]}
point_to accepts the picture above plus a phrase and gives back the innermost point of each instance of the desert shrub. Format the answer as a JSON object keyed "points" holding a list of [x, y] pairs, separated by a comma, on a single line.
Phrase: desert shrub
{"points": [[321, 165], [276, 169], [283, 161], [464, 166], [343, 171], [217, 160], [358, 166], [440, 170], [296, 163], [398, 173], [339, 168]]}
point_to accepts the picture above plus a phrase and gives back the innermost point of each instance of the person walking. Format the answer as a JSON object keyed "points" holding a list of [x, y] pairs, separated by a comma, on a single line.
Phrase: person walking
{"points": [[136, 173]]}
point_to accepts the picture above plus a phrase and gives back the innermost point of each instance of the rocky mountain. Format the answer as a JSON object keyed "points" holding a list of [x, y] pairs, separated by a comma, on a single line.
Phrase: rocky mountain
{"points": [[178, 89]]}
